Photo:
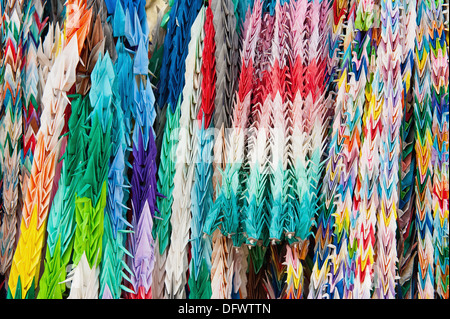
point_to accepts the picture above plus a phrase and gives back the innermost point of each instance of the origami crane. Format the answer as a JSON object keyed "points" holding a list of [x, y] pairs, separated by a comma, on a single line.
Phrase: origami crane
{"points": [[27, 257], [202, 190], [11, 131], [177, 259]]}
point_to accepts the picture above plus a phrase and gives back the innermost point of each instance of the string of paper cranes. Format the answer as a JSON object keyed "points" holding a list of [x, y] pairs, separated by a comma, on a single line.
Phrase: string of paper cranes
{"points": [[224, 149]]}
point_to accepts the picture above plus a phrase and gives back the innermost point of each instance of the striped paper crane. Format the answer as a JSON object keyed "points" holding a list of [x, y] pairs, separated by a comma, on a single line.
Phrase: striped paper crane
{"points": [[326, 216], [339, 9], [280, 205], [297, 221], [423, 115], [407, 243], [177, 264], [339, 255], [11, 132], [366, 193], [352, 138], [439, 159], [26, 262], [351, 149], [202, 190], [389, 97]]}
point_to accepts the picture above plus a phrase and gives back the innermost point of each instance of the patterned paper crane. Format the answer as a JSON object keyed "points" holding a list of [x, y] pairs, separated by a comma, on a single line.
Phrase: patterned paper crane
{"points": [[439, 159], [339, 263], [326, 217], [34, 22], [11, 131], [352, 141], [407, 247], [389, 96], [365, 196], [423, 115], [298, 221]]}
